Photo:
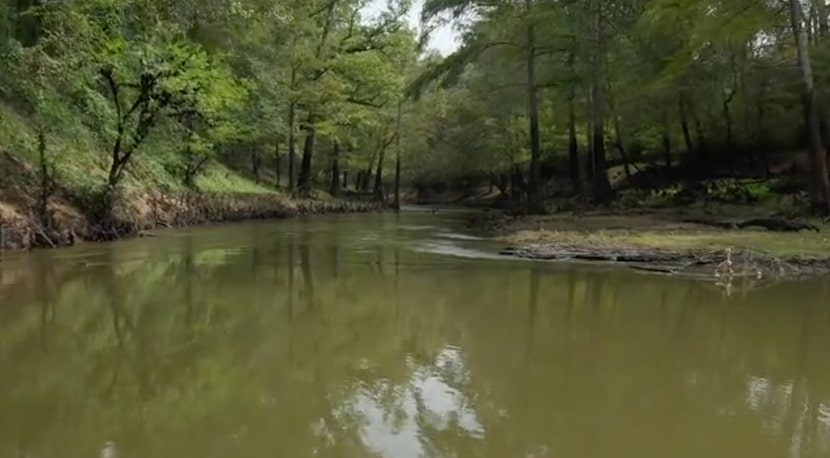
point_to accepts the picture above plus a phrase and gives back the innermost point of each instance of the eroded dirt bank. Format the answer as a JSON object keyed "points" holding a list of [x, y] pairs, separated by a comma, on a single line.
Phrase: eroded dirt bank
{"points": [[68, 224]]}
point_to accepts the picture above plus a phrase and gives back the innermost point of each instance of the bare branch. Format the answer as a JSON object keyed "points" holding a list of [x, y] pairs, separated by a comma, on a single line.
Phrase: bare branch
{"points": [[365, 103], [106, 73], [325, 7]]}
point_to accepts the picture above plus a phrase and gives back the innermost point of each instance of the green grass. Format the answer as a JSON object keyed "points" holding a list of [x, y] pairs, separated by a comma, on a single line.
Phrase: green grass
{"points": [[219, 178], [664, 234], [82, 160]]}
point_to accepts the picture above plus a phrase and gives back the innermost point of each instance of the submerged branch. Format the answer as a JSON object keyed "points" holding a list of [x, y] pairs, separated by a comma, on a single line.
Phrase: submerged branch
{"points": [[722, 264]]}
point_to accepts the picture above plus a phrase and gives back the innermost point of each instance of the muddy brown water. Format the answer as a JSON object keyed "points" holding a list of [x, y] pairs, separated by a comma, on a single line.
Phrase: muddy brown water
{"points": [[396, 336]]}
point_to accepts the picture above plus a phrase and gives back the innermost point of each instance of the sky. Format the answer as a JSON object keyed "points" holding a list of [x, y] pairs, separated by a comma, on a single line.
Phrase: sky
{"points": [[443, 39]]}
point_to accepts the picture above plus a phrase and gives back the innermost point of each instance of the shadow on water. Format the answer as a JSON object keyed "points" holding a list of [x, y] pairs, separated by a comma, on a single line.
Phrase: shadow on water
{"points": [[344, 337]]}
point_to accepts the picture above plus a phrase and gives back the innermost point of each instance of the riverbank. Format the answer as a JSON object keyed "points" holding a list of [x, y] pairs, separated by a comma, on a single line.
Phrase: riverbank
{"points": [[71, 167], [138, 214], [669, 243]]}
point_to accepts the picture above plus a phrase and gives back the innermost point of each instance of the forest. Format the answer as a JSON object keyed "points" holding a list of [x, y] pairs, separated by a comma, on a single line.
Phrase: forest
{"points": [[725, 98], [545, 102]]}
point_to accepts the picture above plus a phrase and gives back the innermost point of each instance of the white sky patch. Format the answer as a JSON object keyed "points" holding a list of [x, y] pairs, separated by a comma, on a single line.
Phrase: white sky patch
{"points": [[443, 39]]}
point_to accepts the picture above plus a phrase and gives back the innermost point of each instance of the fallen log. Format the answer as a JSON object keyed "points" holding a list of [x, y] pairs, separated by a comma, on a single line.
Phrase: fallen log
{"points": [[771, 224], [726, 264], [778, 224], [657, 269], [713, 223], [625, 255]]}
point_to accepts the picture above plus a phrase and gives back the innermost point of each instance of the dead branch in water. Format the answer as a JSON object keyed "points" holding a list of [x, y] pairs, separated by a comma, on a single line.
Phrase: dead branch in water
{"points": [[726, 265], [42, 234], [772, 224]]}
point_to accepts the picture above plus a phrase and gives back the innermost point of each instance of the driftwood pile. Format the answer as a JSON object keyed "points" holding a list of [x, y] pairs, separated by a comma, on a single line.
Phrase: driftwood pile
{"points": [[720, 263]]}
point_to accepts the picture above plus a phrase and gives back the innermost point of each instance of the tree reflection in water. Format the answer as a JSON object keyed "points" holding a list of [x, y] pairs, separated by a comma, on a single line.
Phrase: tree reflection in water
{"points": [[411, 419], [285, 341]]}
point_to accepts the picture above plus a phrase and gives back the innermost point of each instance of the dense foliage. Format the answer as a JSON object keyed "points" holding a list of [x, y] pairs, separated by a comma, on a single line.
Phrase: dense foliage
{"points": [[295, 92], [543, 97], [555, 88]]}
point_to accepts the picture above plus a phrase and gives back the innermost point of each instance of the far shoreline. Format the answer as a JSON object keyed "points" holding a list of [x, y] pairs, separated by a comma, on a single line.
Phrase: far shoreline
{"points": [[668, 243]]}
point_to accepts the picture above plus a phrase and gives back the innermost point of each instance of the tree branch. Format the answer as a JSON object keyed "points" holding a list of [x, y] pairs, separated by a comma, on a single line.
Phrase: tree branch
{"points": [[494, 44], [389, 25], [323, 8], [546, 85], [106, 73], [365, 103]]}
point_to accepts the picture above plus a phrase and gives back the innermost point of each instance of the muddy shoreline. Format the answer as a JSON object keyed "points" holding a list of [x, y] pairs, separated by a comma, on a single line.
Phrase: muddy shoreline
{"points": [[665, 243], [139, 216]]}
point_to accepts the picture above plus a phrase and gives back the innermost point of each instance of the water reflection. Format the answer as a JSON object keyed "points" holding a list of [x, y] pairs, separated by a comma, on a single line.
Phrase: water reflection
{"points": [[409, 420], [308, 338]]}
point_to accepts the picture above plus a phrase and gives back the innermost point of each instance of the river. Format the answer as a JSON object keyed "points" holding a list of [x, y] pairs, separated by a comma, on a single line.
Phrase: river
{"points": [[396, 336]]}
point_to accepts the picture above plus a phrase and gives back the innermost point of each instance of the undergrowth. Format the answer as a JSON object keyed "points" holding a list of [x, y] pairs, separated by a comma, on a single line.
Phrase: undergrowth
{"points": [[80, 161]]}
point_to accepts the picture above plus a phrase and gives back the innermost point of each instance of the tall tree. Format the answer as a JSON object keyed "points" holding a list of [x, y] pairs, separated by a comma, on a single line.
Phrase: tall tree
{"points": [[820, 185]]}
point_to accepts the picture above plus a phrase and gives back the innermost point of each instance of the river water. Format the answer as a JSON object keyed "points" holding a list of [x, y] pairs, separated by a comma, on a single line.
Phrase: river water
{"points": [[396, 336]]}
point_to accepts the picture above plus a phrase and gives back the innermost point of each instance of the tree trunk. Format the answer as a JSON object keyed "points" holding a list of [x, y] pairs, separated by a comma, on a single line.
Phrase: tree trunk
{"points": [[292, 147], [730, 143], [819, 183], [47, 181], [292, 120], [366, 174], [366, 177], [666, 140], [397, 202], [334, 189], [745, 142], [345, 179], [573, 143], [601, 185], [727, 115], [517, 184], [823, 10], [573, 147], [28, 27], [277, 169], [534, 198], [379, 176], [701, 139], [684, 126], [304, 181], [810, 26], [504, 183], [761, 133], [589, 138], [618, 132], [255, 163]]}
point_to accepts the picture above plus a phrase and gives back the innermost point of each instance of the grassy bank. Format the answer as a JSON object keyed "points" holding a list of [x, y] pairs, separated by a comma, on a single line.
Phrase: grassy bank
{"points": [[665, 242], [661, 230], [151, 195]]}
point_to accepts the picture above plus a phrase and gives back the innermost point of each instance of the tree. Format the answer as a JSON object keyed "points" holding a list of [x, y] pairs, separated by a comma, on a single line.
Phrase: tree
{"points": [[820, 185], [660, 80]]}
